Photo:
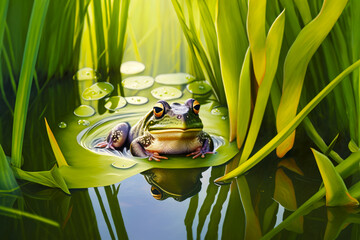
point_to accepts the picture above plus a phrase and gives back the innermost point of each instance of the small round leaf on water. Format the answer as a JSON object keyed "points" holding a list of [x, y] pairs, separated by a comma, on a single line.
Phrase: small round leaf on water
{"points": [[86, 74], [84, 111], [132, 67], [137, 100], [199, 87], [97, 91], [166, 93], [174, 78], [138, 82], [115, 102]]}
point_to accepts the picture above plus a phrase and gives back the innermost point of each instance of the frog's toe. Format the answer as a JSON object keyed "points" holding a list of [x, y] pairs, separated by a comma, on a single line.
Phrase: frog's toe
{"points": [[199, 152], [155, 156]]}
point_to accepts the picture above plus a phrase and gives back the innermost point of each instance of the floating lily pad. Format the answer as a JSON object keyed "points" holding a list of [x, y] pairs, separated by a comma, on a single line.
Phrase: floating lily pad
{"points": [[174, 78], [138, 82], [86, 74], [199, 87], [84, 111], [132, 67], [115, 102], [166, 93], [97, 91], [137, 100]]}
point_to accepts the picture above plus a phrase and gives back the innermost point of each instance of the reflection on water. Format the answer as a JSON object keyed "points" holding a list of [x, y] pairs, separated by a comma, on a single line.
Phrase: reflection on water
{"points": [[179, 184]]}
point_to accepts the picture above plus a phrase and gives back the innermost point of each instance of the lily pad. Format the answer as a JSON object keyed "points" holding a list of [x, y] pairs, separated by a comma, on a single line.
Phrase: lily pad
{"points": [[97, 91], [166, 93], [132, 67], [174, 78], [115, 102], [137, 100], [93, 167], [138, 82], [84, 111], [199, 87], [86, 74]]}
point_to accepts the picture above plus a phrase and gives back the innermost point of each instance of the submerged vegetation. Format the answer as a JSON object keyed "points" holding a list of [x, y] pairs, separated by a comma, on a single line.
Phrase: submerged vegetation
{"points": [[276, 64]]}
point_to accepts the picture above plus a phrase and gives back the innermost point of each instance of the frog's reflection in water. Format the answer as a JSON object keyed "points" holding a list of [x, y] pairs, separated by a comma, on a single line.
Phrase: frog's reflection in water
{"points": [[179, 184]]}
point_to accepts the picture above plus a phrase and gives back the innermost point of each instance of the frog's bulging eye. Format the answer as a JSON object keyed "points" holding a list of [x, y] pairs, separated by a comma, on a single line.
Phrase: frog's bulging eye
{"points": [[158, 110], [156, 193], [196, 107]]}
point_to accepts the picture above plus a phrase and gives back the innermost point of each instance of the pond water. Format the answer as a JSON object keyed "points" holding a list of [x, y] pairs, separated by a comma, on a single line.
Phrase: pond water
{"points": [[161, 203]]}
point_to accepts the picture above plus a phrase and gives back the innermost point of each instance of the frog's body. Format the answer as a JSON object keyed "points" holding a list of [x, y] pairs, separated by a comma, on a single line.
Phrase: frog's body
{"points": [[175, 129]]}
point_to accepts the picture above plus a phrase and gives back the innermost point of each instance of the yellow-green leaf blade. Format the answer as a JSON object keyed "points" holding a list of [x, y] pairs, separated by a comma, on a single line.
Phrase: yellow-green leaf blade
{"points": [[60, 159], [257, 37], [336, 191], [232, 47], [296, 62]]}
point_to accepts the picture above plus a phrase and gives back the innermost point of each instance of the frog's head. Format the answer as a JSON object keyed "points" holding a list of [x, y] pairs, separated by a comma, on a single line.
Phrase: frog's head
{"points": [[175, 118]]}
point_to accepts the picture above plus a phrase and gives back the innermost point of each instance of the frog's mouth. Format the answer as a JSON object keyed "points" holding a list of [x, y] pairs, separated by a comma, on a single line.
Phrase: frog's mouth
{"points": [[175, 133]]}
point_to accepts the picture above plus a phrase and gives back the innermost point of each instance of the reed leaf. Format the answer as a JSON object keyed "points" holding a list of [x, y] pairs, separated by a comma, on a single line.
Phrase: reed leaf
{"points": [[257, 37], [190, 215], [273, 47], [296, 62], [27, 70], [3, 12], [244, 101], [232, 45], [284, 192], [7, 179], [17, 212], [283, 134], [336, 191], [55, 147]]}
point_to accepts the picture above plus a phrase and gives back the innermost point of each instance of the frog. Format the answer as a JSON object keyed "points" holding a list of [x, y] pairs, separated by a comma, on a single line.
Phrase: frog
{"points": [[166, 129]]}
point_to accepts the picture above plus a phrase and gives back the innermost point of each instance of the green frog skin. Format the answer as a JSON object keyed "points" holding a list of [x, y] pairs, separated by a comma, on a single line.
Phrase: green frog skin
{"points": [[166, 129]]}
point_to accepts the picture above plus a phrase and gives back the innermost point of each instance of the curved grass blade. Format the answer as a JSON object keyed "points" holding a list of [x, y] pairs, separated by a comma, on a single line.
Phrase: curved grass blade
{"points": [[284, 192], [27, 70], [269, 218], [345, 169], [257, 37], [7, 179], [29, 215], [244, 101], [283, 134], [231, 51], [336, 191], [190, 215], [55, 147], [296, 62], [273, 47]]}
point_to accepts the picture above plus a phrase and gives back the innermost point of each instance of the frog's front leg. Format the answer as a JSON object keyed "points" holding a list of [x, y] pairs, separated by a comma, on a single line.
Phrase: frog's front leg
{"points": [[117, 137], [138, 148], [206, 148]]}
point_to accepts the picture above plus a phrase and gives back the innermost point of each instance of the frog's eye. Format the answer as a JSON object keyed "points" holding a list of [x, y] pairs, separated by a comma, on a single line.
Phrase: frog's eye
{"points": [[196, 107], [158, 110]]}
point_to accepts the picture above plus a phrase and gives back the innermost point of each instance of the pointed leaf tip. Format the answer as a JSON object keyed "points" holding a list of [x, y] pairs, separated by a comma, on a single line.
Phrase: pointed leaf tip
{"points": [[60, 159]]}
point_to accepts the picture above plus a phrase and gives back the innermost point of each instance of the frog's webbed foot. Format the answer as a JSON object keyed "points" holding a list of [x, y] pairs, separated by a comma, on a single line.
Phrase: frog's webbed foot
{"points": [[201, 151], [116, 138], [155, 156]]}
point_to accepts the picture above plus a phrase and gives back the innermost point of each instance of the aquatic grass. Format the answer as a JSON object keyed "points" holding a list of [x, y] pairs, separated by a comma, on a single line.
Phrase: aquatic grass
{"points": [[7, 179], [336, 191], [190, 215], [297, 60], [17, 212], [272, 144], [28, 66]]}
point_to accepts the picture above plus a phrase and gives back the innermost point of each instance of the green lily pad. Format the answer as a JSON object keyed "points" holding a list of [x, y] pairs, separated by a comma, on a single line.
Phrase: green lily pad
{"points": [[92, 167], [115, 102], [199, 87], [86, 74], [132, 67], [84, 111], [97, 91], [137, 100], [138, 82], [166, 93], [174, 78]]}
